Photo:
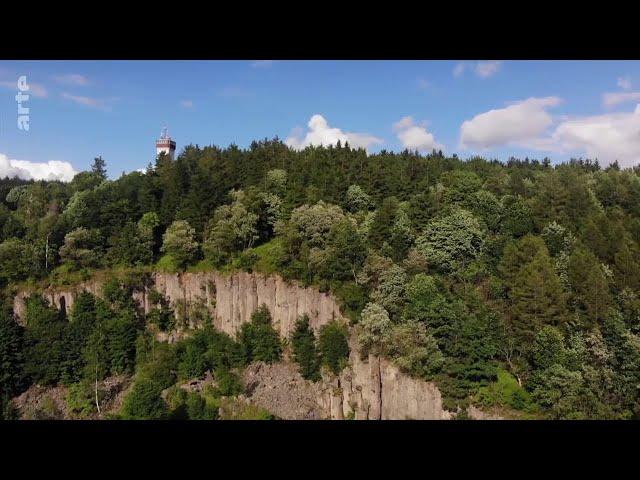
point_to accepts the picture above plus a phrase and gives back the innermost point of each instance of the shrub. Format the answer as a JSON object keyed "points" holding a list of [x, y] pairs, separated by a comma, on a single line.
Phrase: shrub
{"points": [[81, 398], [144, 402], [228, 383]]}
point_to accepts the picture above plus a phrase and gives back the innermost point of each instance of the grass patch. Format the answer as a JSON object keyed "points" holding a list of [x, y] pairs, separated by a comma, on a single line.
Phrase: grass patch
{"points": [[505, 392], [167, 264], [268, 253], [201, 266]]}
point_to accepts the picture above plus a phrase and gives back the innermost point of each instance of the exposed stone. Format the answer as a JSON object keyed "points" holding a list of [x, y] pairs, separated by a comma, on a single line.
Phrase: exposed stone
{"points": [[50, 403], [476, 414], [230, 299], [370, 388], [281, 390]]}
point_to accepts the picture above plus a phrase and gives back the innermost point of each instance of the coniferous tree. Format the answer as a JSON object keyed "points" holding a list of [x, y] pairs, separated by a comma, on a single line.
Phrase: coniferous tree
{"points": [[303, 343], [538, 298]]}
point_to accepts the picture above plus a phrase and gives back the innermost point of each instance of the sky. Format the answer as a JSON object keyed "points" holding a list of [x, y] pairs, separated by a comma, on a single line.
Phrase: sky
{"points": [[78, 110]]}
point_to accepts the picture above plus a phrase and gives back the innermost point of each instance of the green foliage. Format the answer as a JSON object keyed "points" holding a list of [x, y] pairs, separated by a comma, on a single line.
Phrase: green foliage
{"points": [[305, 353], [232, 229], [268, 256], [522, 265], [452, 242], [357, 199], [198, 409], [538, 298], [12, 355], [82, 248], [179, 242], [228, 383], [81, 398], [47, 356], [414, 350], [276, 181], [144, 402], [375, 329], [505, 392], [259, 340], [19, 260], [548, 348], [208, 350]]}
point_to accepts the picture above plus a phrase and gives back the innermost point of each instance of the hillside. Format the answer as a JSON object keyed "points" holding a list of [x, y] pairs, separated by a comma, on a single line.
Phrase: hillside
{"points": [[512, 287]]}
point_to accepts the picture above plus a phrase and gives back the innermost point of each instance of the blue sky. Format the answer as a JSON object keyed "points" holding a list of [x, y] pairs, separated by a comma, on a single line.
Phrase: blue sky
{"points": [[81, 109]]}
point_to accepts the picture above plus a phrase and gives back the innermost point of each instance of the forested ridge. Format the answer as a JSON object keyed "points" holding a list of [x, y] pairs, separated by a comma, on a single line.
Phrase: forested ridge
{"points": [[512, 285]]}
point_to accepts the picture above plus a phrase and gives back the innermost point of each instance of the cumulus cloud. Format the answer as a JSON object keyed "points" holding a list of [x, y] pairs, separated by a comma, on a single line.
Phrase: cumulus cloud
{"points": [[624, 83], [72, 79], [517, 123], [415, 137], [51, 170], [611, 99], [607, 137], [35, 89], [320, 133], [186, 103], [481, 69]]}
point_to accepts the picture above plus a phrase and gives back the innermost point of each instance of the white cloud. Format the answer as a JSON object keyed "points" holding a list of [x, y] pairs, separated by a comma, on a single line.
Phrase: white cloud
{"points": [[320, 133], [527, 124], [607, 137], [72, 79], [35, 89], [186, 103], [487, 69], [262, 63], [98, 103], [481, 69], [459, 69], [415, 137], [517, 123], [51, 170], [611, 99], [624, 83]]}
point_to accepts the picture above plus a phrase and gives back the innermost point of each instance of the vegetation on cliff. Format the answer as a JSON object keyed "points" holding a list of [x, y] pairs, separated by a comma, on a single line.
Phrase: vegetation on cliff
{"points": [[474, 273]]}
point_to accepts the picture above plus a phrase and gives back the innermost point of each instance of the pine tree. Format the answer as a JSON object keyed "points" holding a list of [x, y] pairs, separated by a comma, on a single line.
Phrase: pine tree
{"points": [[99, 167], [590, 285], [538, 298], [303, 342], [259, 339], [12, 346]]}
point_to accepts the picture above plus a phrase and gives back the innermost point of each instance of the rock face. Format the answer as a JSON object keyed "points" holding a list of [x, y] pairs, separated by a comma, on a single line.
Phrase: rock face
{"points": [[369, 389], [375, 389], [232, 299], [281, 390], [229, 299]]}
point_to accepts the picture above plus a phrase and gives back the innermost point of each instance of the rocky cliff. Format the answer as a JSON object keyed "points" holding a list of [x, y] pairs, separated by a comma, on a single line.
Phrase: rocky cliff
{"points": [[369, 388], [229, 299]]}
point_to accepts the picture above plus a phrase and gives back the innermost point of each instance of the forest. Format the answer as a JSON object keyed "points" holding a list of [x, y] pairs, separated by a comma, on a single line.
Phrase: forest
{"points": [[509, 284]]}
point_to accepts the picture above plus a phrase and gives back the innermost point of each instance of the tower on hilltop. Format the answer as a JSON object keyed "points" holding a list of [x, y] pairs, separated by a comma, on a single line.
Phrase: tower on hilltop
{"points": [[165, 145]]}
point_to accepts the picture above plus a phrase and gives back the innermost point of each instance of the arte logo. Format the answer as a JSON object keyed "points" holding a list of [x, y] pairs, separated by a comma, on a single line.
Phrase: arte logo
{"points": [[21, 97]]}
